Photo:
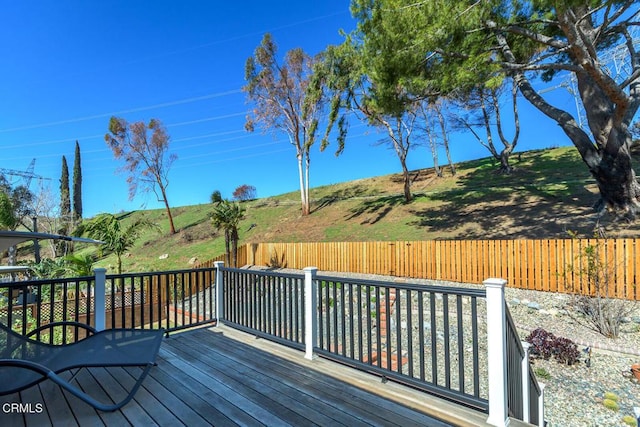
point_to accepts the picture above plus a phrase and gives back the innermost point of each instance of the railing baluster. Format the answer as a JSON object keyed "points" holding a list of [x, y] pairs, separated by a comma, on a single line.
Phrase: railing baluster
{"points": [[421, 328], [351, 321], [409, 317], [460, 343], [322, 307], [434, 338], [369, 328], [447, 342], [343, 319], [398, 329], [378, 328], [475, 340], [359, 303]]}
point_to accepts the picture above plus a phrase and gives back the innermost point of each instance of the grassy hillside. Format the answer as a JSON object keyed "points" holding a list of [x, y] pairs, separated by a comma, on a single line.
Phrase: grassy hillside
{"points": [[549, 193]]}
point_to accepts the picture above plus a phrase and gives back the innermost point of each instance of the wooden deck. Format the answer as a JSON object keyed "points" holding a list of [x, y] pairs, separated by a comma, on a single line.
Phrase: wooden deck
{"points": [[220, 376]]}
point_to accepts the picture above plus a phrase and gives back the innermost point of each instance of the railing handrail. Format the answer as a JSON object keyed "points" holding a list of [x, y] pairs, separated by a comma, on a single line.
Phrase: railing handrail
{"points": [[38, 282], [412, 286], [156, 273], [264, 273]]}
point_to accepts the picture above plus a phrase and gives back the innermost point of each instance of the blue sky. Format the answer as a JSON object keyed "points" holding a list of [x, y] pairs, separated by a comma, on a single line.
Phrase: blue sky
{"points": [[68, 66]]}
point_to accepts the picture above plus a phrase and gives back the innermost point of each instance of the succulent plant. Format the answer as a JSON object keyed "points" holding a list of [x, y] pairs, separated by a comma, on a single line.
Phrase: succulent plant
{"points": [[611, 404]]}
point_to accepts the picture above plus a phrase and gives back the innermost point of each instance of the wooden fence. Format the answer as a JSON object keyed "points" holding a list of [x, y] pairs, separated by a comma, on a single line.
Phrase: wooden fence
{"points": [[546, 265]]}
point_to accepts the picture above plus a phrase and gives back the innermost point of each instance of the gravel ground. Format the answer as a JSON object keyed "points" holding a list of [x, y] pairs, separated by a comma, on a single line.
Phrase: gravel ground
{"points": [[573, 394]]}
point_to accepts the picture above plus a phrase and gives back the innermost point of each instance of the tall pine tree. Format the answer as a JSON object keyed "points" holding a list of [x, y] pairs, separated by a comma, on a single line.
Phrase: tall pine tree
{"points": [[77, 185], [65, 201]]}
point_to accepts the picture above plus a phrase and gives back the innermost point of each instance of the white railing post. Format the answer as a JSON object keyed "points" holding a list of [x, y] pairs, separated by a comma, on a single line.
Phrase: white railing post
{"points": [[526, 416], [310, 315], [100, 306], [541, 406], [497, 352], [219, 291]]}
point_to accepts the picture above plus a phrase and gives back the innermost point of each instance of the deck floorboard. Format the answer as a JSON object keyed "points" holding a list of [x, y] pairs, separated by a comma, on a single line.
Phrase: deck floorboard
{"points": [[222, 377]]}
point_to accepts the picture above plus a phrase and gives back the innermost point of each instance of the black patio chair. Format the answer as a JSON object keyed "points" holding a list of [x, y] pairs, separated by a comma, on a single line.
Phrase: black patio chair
{"points": [[25, 362]]}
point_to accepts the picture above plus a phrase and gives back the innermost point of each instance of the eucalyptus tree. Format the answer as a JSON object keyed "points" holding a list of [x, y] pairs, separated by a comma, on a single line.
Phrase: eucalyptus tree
{"points": [[285, 100], [145, 151], [455, 45]]}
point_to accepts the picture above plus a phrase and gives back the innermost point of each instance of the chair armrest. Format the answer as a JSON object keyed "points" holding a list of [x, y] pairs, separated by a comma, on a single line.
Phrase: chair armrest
{"points": [[88, 328]]}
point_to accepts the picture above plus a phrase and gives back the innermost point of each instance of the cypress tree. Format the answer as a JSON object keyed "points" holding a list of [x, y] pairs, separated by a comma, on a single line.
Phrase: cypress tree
{"points": [[77, 185], [65, 201]]}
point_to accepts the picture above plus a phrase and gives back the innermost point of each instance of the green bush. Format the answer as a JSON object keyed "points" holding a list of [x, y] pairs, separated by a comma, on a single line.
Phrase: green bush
{"points": [[611, 396], [630, 421], [542, 373], [611, 404]]}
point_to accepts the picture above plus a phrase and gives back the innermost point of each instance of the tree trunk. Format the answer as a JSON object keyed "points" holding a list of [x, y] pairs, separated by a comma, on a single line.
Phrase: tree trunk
{"points": [[616, 179], [172, 228], [408, 197], [509, 146], [445, 140], [234, 246], [306, 184], [227, 251], [434, 152], [505, 167], [303, 195]]}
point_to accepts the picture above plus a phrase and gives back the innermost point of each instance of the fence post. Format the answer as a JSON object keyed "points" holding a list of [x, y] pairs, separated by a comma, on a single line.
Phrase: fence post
{"points": [[100, 306], [310, 315], [497, 352], [541, 406], [219, 291], [526, 416]]}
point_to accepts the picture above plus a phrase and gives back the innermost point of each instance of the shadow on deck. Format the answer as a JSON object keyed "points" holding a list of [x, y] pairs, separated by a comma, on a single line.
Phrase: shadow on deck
{"points": [[220, 376]]}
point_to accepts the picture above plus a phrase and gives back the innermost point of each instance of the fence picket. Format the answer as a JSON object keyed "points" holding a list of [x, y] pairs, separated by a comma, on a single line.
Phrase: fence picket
{"points": [[549, 265]]}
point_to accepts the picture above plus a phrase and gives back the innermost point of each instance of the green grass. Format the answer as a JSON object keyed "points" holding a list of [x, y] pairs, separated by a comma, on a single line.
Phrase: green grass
{"points": [[549, 192]]}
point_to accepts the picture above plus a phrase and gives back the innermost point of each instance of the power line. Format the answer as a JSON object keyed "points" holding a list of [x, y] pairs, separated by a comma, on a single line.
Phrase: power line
{"points": [[132, 110]]}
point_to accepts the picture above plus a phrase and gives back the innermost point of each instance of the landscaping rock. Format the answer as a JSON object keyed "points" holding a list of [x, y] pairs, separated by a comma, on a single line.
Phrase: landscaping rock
{"points": [[193, 260], [534, 305], [163, 256]]}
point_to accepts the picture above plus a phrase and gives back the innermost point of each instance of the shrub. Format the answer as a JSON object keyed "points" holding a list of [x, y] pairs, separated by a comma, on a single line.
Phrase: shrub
{"points": [[611, 396], [216, 197], [611, 404], [600, 309], [542, 373], [566, 351], [630, 421], [545, 344], [541, 342]]}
